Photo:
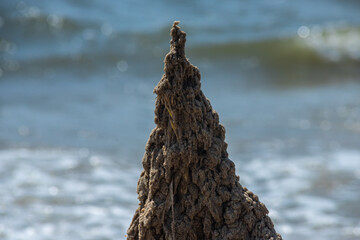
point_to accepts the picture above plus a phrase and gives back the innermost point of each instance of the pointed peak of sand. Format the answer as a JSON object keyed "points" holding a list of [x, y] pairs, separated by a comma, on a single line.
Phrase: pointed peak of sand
{"points": [[177, 43], [179, 72]]}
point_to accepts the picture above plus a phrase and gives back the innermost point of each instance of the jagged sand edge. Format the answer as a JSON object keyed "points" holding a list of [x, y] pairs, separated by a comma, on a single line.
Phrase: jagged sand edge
{"points": [[188, 188]]}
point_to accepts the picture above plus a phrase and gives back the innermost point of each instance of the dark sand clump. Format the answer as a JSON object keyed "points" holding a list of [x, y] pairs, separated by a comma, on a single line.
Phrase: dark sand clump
{"points": [[188, 188]]}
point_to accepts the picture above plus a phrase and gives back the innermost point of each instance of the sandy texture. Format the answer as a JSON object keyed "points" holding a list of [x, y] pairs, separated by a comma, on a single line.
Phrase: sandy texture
{"points": [[188, 188]]}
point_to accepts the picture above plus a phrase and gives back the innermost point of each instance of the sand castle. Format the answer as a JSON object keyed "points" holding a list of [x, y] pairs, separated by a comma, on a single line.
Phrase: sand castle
{"points": [[188, 188]]}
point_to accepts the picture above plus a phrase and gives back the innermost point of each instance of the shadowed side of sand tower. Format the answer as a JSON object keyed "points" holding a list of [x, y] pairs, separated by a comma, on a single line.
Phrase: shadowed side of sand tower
{"points": [[188, 188]]}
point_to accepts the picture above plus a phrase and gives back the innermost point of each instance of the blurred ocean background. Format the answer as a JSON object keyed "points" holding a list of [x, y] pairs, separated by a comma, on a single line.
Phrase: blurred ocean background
{"points": [[76, 109]]}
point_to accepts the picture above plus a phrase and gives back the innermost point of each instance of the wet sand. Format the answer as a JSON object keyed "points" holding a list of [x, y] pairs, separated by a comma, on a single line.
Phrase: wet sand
{"points": [[188, 188]]}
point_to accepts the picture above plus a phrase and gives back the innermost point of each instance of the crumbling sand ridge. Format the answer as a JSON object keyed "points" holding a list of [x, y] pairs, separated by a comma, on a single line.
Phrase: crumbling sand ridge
{"points": [[188, 188]]}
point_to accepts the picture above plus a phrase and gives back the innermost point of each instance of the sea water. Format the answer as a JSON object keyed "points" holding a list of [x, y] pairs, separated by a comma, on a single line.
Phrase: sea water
{"points": [[76, 109]]}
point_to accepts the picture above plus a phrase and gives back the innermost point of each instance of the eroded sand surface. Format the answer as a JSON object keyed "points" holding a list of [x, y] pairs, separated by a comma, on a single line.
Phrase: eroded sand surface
{"points": [[188, 188]]}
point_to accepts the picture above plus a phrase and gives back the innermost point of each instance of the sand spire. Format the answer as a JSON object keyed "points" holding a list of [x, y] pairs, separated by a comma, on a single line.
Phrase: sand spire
{"points": [[188, 188]]}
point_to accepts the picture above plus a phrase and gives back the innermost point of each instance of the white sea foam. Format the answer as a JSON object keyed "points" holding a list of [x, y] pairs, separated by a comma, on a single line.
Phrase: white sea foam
{"points": [[334, 43], [64, 195], [67, 195], [317, 194]]}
